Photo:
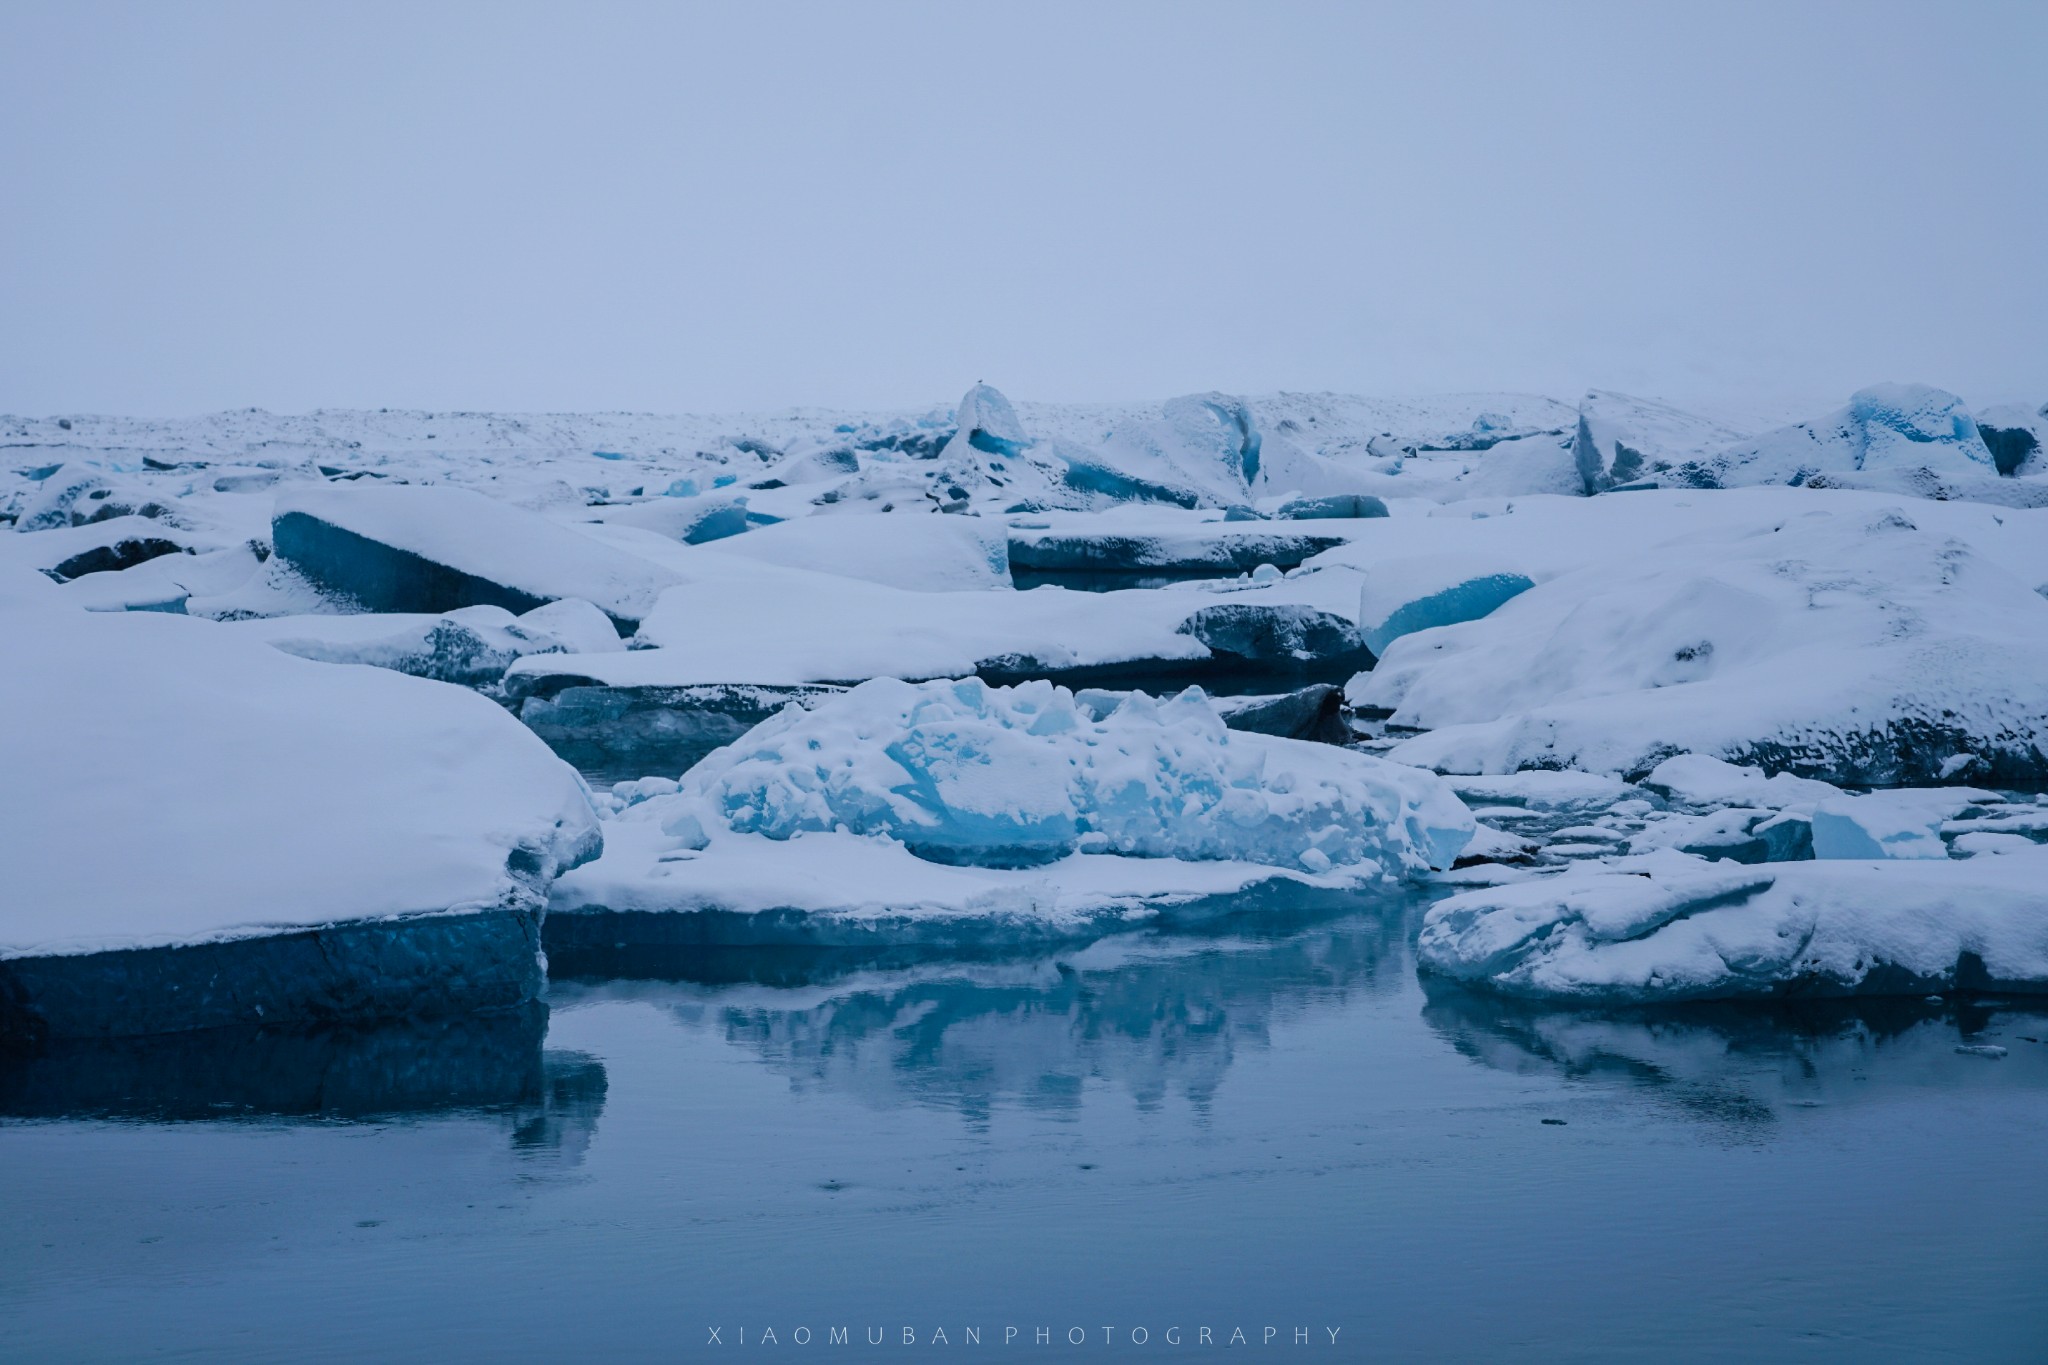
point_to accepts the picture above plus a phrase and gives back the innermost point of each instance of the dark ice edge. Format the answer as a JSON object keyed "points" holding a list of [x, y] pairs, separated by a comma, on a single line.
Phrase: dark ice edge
{"points": [[383, 578], [418, 966], [574, 938]]}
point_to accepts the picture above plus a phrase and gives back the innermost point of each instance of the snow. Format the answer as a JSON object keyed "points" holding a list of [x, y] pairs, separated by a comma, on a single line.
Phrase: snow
{"points": [[920, 552], [1702, 781], [846, 888], [171, 781], [1666, 927]]}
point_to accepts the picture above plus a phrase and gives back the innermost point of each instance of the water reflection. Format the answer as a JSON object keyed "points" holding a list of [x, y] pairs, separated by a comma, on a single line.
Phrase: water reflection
{"points": [[1740, 1065], [1153, 1014], [491, 1062]]}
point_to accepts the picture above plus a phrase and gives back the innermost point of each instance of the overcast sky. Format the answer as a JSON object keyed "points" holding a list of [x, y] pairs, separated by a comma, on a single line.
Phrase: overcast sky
{"points": [[672, 207]]}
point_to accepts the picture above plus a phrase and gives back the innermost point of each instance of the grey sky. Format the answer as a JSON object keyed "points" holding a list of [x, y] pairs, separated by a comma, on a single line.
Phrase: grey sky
{"points": [[672, 207]]}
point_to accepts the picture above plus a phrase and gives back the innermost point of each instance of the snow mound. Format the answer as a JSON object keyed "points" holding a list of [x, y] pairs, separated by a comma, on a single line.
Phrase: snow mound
{"points": [[920, 553], [964, 773], [1665, 926]]}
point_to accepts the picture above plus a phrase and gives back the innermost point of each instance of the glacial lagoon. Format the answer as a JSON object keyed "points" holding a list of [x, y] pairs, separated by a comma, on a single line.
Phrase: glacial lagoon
{"points": [[1271, 1125]]}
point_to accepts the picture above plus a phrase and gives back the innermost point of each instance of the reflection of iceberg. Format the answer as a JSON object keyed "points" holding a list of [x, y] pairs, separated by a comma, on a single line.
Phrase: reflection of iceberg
{"points": [[486, 1062], [1740, 1064], [1151, 1015]]}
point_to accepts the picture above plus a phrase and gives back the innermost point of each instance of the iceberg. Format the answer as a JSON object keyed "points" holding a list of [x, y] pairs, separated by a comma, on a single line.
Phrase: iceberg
{"points": [[2015, 434], [693, 520], [1103, 553], [1427, 591], [105, 546], [433, 549], [79, 494], [1908, 438], [630, 731], [209, 832], [961, 772], [1887, 824], [986, 421], [1843, 643], [957, 809], [1621, 440], [1667, 927]]}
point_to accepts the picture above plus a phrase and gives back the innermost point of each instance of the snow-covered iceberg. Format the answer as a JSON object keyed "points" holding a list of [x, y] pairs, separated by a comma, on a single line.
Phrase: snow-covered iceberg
{"points": [[1665, 926], [1908, 438], [1622, 439], [433, 549], [954, 800], [203, 830], [1844, 641]]}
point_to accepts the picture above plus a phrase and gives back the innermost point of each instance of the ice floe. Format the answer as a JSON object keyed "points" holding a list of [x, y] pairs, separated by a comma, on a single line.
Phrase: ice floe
{"points": [[183, 786], [1666, 927]]}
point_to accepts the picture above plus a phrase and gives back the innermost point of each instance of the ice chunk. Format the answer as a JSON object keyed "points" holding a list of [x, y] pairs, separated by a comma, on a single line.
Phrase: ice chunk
{"points": [[1843, 642], [1889, 824], [694, 520], [1669, 927], [988, 423], [1285, 634], [1703, 781], [961, 772], [194, 786], [1430, 591], [2015, 434], [1905, 437], [1215, 427], [639, 730], [1335, 506], [1313, 713], [105, 546], [762, 624], [78, 494], [472, 646], [1088, 554], [433, 549], [1621, 439]]}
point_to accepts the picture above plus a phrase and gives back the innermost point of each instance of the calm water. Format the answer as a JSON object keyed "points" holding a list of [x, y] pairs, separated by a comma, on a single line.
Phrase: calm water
{"points": [[1275, 1129]]}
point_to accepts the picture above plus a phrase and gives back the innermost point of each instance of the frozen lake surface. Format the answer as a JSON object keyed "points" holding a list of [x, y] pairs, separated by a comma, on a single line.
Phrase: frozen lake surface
{"points": [[1271, 1127]]}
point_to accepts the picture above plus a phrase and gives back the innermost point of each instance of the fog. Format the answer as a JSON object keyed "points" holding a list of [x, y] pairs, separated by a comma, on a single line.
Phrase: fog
{"points": [[677, 208]]}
